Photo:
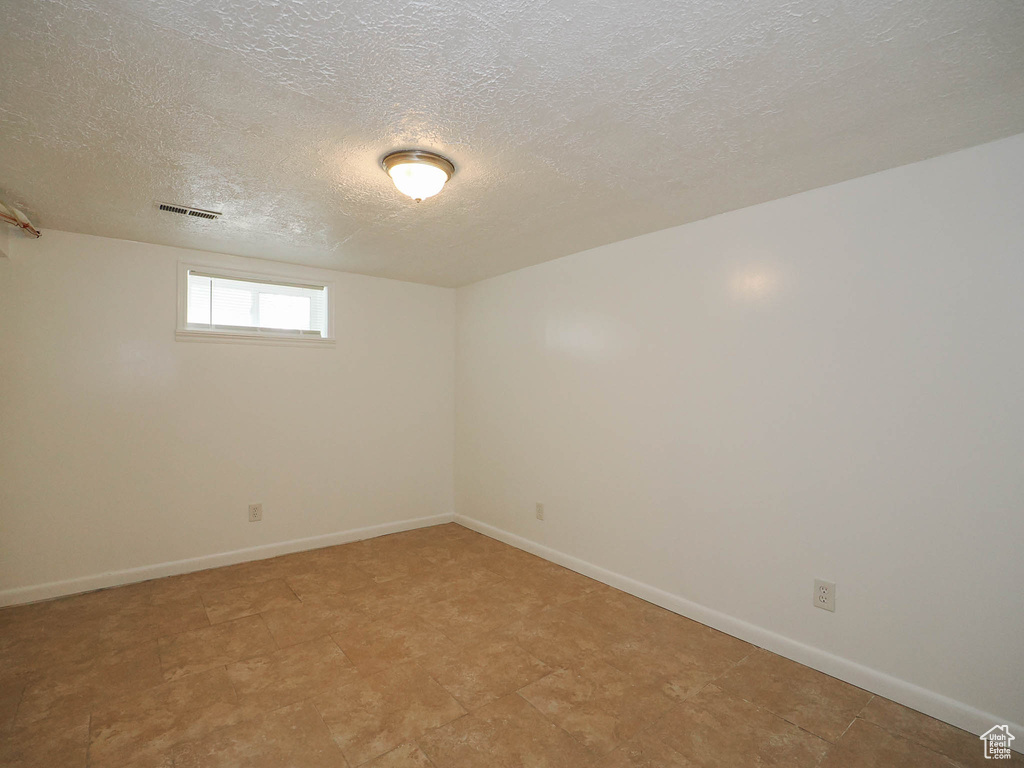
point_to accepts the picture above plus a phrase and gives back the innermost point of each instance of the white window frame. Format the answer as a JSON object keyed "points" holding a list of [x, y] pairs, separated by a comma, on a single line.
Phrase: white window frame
{"points": [[185, 332]]}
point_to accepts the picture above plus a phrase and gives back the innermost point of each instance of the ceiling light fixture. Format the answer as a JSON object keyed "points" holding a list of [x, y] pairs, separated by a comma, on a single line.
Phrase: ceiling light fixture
{"points": [[417, 173]]}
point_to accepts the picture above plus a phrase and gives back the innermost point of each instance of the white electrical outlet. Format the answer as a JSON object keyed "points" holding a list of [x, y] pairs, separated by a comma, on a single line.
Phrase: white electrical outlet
{"points": [[540, 511], [255, 513], [825, 595]]}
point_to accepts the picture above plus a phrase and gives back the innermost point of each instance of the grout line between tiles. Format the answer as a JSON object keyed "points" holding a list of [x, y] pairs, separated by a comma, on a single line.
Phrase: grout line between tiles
{"points": [[834, 744], [775, 714], [17, 708], [424, 752], [556, 725], [88, 741], [906, 735], [330, 733], [231, 682], [271, 634], [860, 712]]}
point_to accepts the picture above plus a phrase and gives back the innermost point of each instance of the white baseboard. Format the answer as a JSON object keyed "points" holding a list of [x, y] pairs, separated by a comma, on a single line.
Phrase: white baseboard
{"points": [[53, 589], [923, 700]]}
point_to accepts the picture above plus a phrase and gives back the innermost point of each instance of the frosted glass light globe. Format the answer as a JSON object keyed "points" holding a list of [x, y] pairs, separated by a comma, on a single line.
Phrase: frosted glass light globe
{"points": [[418, 180], [417, 173]]}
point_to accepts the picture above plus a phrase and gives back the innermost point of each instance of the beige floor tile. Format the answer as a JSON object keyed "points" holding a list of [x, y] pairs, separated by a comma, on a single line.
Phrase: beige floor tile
{"points": [[679, 657], [555, 584], [391, 641], [397, 637], [330, 580], [134, 624], [386, 558], [510, 562], [617, 611], [704, 641], [291, 737], [963, 748], [10, 697], [324, 558], [405, 756], [74, 689], [403, 542], [518, 597], [644, 751], [561, 638], [866, 745], [405, 595], [81, 627], [447, 581], [313, 618], [247, 601], [215, 646], [88, 608], [600, 706], [26, 658], [677, 676], [91, 609], [651, 630], [114, 601], [146, 726], [714, 728], [473, 614], [463, 549], [168, 590], [152, 761], [240, 575], [451, 550], [17, 660], [373, 716], [53, 743], [611, 608], [810, 699], [295, 673], [14, 617], [484, 671], [507, 732]]}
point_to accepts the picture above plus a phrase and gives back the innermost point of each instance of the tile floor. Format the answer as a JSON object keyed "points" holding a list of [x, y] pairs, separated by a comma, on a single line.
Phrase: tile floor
{"points": [[435, 648]]}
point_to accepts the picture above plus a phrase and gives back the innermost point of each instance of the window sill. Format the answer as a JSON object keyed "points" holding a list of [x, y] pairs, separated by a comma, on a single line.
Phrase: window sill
{"points": [[227, 337]]}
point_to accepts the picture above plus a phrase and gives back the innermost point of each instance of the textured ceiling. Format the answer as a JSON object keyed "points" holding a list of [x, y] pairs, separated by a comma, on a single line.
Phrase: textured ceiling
{"points": [[571, 123]]}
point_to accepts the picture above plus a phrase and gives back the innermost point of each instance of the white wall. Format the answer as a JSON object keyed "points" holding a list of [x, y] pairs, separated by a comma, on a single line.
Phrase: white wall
{"points": [[122, 448], [828, 385]]}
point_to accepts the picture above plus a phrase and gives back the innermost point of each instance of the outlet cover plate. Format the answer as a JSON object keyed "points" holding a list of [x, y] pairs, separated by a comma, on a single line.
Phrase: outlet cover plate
{"points": [[255, 513], [540, 511], [825, 595]]}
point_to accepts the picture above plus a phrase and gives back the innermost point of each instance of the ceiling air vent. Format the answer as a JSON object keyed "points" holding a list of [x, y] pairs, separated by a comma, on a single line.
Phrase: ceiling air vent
{"points": [[186, 210]]}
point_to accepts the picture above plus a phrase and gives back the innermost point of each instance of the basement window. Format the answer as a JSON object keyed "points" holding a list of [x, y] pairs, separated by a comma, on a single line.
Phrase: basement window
{"points": [[229, 305]]}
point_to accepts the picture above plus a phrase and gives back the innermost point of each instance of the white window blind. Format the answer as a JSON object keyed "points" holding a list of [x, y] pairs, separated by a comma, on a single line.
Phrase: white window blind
{"points": [[219, 303]]}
